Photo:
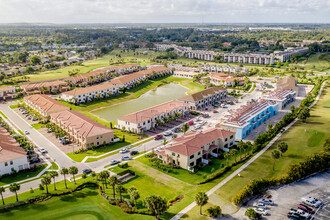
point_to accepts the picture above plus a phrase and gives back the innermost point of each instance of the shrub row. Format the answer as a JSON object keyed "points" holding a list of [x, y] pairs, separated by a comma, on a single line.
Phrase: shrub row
{"points": [[312, 164]]}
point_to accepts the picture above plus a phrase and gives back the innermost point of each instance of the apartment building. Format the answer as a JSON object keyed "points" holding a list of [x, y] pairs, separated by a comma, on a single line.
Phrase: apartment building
{"points": [[132, 80], [12, 156], [101, 74], [225, 80], [81, 129], [204, 98], [226, 69], [288, 83], [246, 118], [194, 148], [146, 119], [285, 55], [44, 104], [89, 93], [281, 96], [45, 87], [184, 74], [7, 92]]}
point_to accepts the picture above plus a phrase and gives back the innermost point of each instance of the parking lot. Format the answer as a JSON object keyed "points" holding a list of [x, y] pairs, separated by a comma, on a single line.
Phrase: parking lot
{"points": [[289, 196]]}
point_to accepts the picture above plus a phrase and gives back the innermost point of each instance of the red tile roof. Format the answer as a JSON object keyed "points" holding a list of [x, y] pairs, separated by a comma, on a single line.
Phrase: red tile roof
{"points": [[9, 148], [46, 103]]}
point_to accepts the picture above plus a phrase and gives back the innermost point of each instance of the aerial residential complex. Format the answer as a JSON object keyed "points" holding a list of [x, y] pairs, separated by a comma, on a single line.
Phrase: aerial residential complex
{"points": [[87, 94], [251, 58], [82, 130], [225, 80], [194, 148], [146, 119], [12, 156], [44, 104], [282, 97], [7, 92], [45, 87], [246, 118], [204, 98]]}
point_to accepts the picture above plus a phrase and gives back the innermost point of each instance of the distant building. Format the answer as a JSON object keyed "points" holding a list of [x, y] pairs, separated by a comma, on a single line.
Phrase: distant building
{"points": [[204, 98], [146, 119], [44, 104], [288, 83], [227, 69], [283, 97], [194, 148], [82, 130], [7, 92], [285, 55], [12, 156], [246, 118], [226, 80], [45, 87], [183, 74]]}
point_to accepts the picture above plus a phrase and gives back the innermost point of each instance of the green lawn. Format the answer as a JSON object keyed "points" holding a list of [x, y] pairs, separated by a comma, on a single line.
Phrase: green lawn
{"points": [[301, 144], [14, 106], [20, 176], [38, 126], [84, 204], [3, 115], [54, 166]]}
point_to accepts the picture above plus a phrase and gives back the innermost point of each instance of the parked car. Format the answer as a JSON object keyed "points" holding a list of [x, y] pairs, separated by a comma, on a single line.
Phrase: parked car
{"points": [[126, 158], [311, 201], [305, 208], [134, 152], [87, 171], [168, 133], [113, 162], [35, 160], [175, 130], [43, 151], [293, 216], [206, 116], [261, 211], [26, 132], [190, 123], [158, 136], [266, 201], [124, 151], [29, 117], [259, 205], [24, 112], [34, 119], [2, 124], [214, 111], [303, 214]]}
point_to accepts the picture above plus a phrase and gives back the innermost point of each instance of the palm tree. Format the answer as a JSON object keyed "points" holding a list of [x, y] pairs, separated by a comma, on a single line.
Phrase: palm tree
{"points": [[185, 128], [64, 171], [120, 189], [103, 176], [201, 199], [282, 147], [275, 156], [73, 171], [53, 174], [113, 182], [133, 194], [240, 145], [226, 155], [46, 181], [293, 109], [233, 153], [14, 187], [2, 190]]}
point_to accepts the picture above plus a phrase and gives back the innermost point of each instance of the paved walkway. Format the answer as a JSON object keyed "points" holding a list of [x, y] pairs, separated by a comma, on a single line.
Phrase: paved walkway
{"points": [[215, 188]]}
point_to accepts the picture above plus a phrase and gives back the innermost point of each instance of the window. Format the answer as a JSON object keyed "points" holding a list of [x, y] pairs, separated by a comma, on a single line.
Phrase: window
{"points": [[226, 139], [6, 163], [160, 156], [11, 162], [199, 153], [173, 154], [98, 143], [192, 164], [97, 137], [192, 156], [231, 137]]}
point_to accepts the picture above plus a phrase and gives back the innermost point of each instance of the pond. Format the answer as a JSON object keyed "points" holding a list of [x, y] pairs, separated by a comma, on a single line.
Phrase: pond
{"points": [[151, 98]]}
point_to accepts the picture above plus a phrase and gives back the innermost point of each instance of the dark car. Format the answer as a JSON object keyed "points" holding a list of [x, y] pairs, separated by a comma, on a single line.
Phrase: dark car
{"points": [[87, 171], [214, 111], [134, 152], [176, 130], [305, 208], [35, 160], [158, 136], [293, 215]]}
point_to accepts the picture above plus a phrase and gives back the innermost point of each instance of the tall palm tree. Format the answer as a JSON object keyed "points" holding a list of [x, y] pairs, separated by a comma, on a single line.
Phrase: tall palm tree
{"points": [[73, 171], [53, 174], [226, 155], [45, 181], [133, 194], [64, 171], [282, 147], [240, 146], [275, 156], [233, 153], [2, 190], [201, 199], [113, 181], [14, 187], [120, 190]]}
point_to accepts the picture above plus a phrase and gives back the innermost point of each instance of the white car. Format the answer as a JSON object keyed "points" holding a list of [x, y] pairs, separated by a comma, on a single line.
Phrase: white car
{"points": [[303, 214], [259, 205], [113, 162], [123, 151], [266, 201], [168, 133], [42, 150], [26, 132], [126, 158], [311, 201], [261, 211]]}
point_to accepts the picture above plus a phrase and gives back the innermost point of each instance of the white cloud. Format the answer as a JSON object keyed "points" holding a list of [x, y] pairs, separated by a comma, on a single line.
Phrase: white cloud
{"points": [[153, 11]]}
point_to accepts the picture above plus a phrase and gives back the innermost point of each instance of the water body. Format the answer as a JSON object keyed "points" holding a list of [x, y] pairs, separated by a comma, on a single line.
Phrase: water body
{"points": [[151, 98]]}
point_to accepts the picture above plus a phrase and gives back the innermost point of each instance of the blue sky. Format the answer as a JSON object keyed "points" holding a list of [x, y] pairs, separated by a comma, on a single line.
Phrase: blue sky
{"points": [[165, 11]]}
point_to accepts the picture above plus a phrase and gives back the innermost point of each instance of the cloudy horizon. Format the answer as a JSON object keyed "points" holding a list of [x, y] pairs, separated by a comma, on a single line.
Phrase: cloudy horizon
{"points": [[164, 11]]}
